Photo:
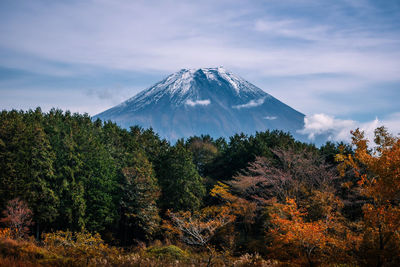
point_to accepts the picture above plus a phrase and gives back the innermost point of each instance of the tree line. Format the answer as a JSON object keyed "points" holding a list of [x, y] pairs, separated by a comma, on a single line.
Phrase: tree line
{"points": [[264, 193]]}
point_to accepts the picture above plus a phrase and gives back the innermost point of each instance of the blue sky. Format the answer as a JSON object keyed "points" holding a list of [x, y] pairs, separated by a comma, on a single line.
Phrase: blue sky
{"points": [[336, 61]]}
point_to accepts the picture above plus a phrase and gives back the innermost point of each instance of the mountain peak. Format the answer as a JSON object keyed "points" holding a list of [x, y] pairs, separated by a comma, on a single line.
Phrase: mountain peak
{"points": [[217, 74], [193, 70], [193, 85], [204, 101]]}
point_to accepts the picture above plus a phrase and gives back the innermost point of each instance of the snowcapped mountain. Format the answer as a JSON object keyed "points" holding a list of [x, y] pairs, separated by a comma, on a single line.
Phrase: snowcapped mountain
{"points": [[204, 101]]}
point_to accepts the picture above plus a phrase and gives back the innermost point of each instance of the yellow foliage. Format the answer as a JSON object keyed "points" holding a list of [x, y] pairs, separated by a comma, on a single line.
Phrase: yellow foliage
{"points": [[237, 206], [81, 247]]}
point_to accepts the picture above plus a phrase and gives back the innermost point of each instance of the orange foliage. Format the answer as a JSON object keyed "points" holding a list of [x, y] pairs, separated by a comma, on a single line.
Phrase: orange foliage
{"points": [[378, 173], [311, 241], [237, 206], [5, 233], [13, 262]]}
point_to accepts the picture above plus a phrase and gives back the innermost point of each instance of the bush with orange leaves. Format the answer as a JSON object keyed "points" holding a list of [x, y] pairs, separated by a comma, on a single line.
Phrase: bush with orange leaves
{"points": [[295, 238], [5, 233], [378, 173], [20, 252], [241, 208]]}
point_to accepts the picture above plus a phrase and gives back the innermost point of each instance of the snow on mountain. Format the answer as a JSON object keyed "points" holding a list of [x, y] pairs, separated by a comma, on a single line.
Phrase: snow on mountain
{"points": [[204, 101]]}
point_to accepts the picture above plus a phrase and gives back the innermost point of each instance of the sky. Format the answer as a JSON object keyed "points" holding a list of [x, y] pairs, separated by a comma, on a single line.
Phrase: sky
{"points": [[336, 61]]}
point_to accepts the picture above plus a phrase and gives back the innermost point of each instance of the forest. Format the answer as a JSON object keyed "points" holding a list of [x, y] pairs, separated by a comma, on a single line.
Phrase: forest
{"points": [[81, 192]]}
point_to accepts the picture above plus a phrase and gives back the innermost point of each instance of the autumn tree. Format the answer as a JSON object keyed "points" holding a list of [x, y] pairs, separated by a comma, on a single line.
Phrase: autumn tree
{"points": [[242, 149], [300, 175], [18, 217], [241, 208], [198, 228], [311, 241], [290, 175], [378, 173]]}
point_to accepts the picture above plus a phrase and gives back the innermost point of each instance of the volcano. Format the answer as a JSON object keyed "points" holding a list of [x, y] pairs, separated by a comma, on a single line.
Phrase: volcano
{"points": [[209, 101]]}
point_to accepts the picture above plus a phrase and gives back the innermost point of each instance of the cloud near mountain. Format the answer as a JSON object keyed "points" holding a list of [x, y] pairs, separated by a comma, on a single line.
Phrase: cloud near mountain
{"points": [[335, 129], [198, 102], [251, 103]]}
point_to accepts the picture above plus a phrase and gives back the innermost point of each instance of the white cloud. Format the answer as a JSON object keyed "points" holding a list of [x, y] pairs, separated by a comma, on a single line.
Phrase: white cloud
{"points": [[392, 122], [271, 118], [319, 124], [291, 28], [192, 103], [251, 104], [184, 35], [339, 130], [254, 39]]}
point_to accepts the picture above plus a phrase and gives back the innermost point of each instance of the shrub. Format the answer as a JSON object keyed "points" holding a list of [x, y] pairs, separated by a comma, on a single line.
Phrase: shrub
{"points": [[253, 260], [167, 252], [5, 233], [23, 250], [18, 217], [81, 248], [13, 262]]}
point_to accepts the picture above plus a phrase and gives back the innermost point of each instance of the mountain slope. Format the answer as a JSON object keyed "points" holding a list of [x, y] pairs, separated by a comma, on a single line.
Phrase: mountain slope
{"points": [[204, 101]]}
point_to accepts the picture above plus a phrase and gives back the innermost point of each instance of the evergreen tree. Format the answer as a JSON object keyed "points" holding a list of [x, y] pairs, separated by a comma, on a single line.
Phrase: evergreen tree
{"points": [[40, 190], [70, 188], [98, 175], [140, 214], [181, 184], [27, 165], [203, 150], [13, 152]]}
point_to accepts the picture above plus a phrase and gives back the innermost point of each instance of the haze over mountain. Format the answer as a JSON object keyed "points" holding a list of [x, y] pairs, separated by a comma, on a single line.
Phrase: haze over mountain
{"points": [[210, 101]]}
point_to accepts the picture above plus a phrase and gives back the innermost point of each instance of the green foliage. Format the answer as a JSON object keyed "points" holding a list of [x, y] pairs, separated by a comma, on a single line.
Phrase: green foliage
{"points": [[68, 168], [138, 204], [203, 151], [182, 186], [243, 149], [329, 151], [83, 177], [27, 164]]}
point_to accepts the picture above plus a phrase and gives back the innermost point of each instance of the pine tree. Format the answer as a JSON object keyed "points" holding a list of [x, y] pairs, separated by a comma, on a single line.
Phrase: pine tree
{"points": [[40, 190], [13, 151], [68, 164], [182, 187], [140, 213]]}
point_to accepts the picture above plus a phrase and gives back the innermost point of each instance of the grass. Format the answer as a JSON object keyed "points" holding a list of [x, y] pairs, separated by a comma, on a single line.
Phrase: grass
{"points": [[83, 249]]}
